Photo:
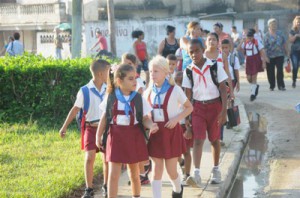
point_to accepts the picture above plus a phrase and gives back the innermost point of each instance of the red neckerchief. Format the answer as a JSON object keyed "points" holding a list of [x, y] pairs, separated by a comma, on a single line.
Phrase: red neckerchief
{"points": [[197, 70]]}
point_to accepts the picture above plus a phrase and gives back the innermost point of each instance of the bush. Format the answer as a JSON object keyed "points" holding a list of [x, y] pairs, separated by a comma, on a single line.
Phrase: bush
{"points": [[34, 87]]}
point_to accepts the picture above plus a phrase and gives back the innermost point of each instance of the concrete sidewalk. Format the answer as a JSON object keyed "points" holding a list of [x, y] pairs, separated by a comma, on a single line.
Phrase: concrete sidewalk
{"points": [[231, 154]]}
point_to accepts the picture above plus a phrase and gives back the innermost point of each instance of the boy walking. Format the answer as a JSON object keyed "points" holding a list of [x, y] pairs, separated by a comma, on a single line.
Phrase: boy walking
{"points": [[89, 98], [204, 83]]}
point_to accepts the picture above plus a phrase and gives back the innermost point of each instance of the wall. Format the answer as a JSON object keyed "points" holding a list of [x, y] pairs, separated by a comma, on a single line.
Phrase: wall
{"points": [[154, 32], [37, 1]]}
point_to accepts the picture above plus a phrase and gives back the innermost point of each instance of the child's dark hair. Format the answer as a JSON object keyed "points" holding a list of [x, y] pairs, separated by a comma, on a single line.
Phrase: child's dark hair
{"points": [[170, 29], [171, 57], [130, 57], [120, 73], [196, 42], [16, 35], [137, 33], [98, 65], [225, 41], [233, 27], [206, 31], [213, 34]]}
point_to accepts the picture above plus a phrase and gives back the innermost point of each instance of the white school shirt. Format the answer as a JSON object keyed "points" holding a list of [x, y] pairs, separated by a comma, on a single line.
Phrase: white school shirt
{"points": [[200, 91], [249, 48], [177, 99], [94, 113], [123, 119], [237, 65], [139, 84]]}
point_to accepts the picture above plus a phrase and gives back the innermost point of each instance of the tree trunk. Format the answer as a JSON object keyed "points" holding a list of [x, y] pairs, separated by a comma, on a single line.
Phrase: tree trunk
{"points": [[111, 25], [76, 28]]}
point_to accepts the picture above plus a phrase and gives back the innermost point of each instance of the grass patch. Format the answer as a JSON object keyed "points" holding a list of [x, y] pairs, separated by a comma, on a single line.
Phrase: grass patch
{"points": [[36, 162]]}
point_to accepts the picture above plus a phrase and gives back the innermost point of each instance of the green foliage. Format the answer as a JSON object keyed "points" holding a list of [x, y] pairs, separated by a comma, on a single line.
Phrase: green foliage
{"points": [[34, 87], [36, 162]]}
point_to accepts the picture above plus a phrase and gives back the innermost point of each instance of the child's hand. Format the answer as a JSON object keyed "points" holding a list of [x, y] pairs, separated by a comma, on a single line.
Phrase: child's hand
{"points": [[222, 118], [171, 124], [62, 132], [188, 133], [154, 128], [99, 142]]}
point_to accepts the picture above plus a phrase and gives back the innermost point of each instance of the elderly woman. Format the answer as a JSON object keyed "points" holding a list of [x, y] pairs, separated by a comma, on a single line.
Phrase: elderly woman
{"points": [[275, 46], [294, 38]]}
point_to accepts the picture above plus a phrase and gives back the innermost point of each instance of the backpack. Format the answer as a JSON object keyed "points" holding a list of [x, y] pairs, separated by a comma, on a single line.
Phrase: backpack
{"points": [[138, 105], [213, 73], [80, 117], [255, 44]]}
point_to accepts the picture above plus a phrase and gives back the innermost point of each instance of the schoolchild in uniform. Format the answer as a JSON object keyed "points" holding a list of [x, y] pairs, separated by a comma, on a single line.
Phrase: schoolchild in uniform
{"points": [[189, 141], [145, 167], [167, 144], [255, 60], [210, 103], [96, 90], [125, 141], [214, 53], [172, 61], [130, 59]]}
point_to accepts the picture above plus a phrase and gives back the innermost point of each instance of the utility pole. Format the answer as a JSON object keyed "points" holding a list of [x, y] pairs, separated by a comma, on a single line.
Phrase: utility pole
{"points": [[76, 28], [111, 25]]}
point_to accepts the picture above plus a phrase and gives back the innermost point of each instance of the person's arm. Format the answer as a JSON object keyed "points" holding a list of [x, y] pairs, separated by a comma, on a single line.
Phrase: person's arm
{"points": [[95, 45], [100, 130], [229, 80], [184, 43], [223, 93], [264, 57], [69, 119], [8, 49], [188, 133], [149, 124], [161, 47], [239, 47], [237, 75]]}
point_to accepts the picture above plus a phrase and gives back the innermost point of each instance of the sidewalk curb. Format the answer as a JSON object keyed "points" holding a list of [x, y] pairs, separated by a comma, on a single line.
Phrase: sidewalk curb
{"points": [[231, 158]]}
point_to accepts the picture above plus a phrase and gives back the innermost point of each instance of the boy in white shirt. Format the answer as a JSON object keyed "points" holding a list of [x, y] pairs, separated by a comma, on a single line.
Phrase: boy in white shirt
{"points": [[210, 104]]}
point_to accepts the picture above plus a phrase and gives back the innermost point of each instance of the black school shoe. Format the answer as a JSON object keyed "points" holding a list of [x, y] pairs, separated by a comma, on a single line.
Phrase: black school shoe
{"points": [[252, 98], [256, 90], [104, 190], [177, 195], [88, 193]]}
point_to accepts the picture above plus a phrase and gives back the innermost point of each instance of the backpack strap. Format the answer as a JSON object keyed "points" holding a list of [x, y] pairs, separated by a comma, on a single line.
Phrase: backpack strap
{"points": [[83, 112], [138, 104], [214, 73], [232, 63], [189, 73], [109, 115]]}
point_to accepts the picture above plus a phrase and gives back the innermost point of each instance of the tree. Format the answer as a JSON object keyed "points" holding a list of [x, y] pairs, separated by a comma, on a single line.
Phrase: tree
{"points": [[111, 25], [76, 28]]}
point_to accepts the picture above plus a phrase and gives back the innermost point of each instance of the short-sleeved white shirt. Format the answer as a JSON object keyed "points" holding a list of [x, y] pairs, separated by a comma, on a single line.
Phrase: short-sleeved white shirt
{"points": [[139, 84], [177, 98], [200, 91], [237, 66], [94, 112], [121, 106], [249, 47]]}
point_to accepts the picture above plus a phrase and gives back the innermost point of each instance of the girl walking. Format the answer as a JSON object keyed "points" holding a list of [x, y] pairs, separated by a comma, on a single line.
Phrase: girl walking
{"points": [[167, 144], [125, 133]]}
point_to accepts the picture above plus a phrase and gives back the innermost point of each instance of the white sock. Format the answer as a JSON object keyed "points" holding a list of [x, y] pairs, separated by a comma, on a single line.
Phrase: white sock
{"points": [[143, 174], [197, 171], [156, 188], [176, 183], [253, 89]]}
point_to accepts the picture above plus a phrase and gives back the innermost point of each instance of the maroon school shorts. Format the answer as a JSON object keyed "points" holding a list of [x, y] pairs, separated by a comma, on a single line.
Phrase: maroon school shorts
{"points": [[90, 139]]}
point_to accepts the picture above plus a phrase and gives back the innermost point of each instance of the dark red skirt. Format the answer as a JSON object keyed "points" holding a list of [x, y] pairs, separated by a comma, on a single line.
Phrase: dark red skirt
{"points": [[167, 143], [189, 143], [89, 141], [126, 144], [253, 64]]}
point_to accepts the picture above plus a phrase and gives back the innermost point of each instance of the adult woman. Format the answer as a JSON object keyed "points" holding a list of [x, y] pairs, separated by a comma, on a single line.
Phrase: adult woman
{"points": [[294, 38], [170, 44], [274, 42], [193, 32]]}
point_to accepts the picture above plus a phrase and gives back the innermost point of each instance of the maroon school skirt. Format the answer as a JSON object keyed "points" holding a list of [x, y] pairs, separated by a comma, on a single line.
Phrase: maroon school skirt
{"points": [[126, 144], [188, 142], [253, 64], [166, 143]]}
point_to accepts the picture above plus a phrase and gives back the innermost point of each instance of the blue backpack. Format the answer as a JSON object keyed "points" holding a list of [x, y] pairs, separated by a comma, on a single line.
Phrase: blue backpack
{"points": [[80, 117]]}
